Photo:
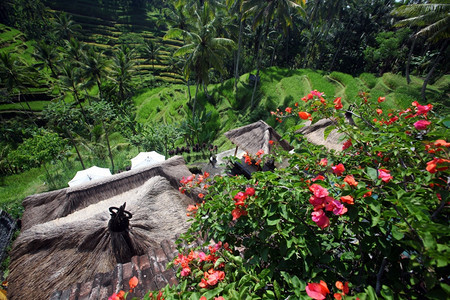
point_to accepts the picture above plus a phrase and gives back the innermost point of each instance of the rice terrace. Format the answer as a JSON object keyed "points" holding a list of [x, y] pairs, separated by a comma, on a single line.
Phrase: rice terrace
{"points": [[224, 149]]}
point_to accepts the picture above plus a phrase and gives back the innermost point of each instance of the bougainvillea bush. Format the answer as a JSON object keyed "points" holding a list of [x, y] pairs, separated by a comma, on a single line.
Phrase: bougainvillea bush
{"points": [[370, 221]]}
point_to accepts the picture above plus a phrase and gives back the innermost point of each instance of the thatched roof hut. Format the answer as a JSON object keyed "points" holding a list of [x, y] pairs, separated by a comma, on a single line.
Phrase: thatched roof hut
{"points": [[256, 136], [314, 133], [70, 245]]}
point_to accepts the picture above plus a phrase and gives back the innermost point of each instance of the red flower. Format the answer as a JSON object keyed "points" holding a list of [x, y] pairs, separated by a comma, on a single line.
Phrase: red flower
{"points": [[323, 162], [250, 191], [271, 142], [347, 199], [288, 110], [441, 143], [321, 220], [347, 144], [238, 212], [337, 103], [318, 177], [367, 194], [350, 180], [304, 115], [260, 152], [338, 169], [422, 124], [432, 166], [318, 190], [337, 207], [317, 291], [133, 283], [381, 99], [201, 196], [384, 175], [379, 111], [423, 109]]}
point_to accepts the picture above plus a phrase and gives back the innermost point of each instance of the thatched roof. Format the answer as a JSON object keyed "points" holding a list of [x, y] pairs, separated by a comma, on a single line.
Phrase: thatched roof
{"points": [[41, 208], [65, 237], [256, 136], [59, 253], [315, 134]]}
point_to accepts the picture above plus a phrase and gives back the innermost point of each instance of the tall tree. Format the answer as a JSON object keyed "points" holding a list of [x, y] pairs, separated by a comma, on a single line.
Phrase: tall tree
{"points": [[67, 119], [15, 75], [64, 27], [152, 53], [263, 13], [95, 68], [433, 21], [47, 56], [203, 49]]}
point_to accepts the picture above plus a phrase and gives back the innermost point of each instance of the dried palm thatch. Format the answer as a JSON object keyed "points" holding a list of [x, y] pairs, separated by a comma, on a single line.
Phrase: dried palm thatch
{"points": [[256, 136], [48, 206], [314, 133], [62, 252]]}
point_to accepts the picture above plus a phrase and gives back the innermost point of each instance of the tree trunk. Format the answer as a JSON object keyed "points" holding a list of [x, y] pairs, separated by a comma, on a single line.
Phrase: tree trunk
{"points": [[109, 146], [259, 52], [435, 63], [77, 98], [195, 100], [189, 90], [408, 63], [72, 140], [236, 68]]}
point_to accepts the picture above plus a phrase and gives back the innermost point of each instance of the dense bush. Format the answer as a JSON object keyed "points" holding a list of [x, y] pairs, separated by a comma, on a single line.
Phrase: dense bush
{"points": [[369, 221]]}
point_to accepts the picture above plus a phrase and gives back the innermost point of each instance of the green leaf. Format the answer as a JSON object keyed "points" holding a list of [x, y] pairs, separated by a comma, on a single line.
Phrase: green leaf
{"points": [[396, 233], [386, 292], [327, 131], [371, 293], [218, 262], [277, 289], [212, 293], [373, 173]]}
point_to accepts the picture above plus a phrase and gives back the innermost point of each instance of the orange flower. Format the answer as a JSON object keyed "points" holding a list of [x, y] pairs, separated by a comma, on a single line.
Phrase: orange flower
{"points": [[304, 115], [432, 166], [337, 103], [342, 286], [201, 196], [379, 111], [367, 194], [347, 199], [133, 283], [441, 143], [350, 180]]}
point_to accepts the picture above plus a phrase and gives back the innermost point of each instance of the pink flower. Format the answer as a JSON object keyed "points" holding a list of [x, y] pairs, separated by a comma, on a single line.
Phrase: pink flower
{"points": [[384, 175], [338, 169], [320, 219], [424, 109], [337, 207], [185, 272], [317, 291], [422, 124]]}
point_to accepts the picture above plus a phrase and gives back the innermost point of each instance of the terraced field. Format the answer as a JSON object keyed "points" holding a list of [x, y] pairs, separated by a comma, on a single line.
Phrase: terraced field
{"points": [[107, 25]]}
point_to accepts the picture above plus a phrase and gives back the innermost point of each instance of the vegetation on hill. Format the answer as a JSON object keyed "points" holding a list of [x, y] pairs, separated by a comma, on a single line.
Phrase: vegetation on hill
{"points": [[104, 80]]}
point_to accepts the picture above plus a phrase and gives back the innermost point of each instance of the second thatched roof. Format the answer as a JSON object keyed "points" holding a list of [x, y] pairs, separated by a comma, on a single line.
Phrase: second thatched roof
{"points": [[314, 133], [255, 137]]}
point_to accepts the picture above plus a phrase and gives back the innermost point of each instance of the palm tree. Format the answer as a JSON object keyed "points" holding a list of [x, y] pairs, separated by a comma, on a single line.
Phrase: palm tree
{"points": [[64, 27], [75, 50], [433, 19], [203, 49], [263, 13], [71, 81], [94, 66], [122, 69], [152, 52], [15, 75], [47, 56]]}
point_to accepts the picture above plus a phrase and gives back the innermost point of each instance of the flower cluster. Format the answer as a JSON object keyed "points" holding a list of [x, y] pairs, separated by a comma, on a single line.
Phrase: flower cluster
{"points": [[121, 295], [239, 202], [194, 181], [320, 290], [254, 160], [196, 261]]}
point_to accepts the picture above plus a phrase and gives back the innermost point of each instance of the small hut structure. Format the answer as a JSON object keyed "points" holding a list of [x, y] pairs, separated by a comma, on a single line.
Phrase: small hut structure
{"points": [[69, 235], [314, 133], [256, 136]]}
